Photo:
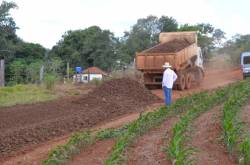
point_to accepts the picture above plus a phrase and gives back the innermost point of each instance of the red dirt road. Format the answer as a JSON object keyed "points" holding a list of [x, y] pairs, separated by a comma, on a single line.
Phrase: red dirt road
{"points": [[213, 79]]}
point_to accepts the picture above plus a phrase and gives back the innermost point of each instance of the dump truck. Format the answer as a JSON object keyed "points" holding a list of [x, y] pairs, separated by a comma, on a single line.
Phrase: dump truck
{"points": [[180, 49]]}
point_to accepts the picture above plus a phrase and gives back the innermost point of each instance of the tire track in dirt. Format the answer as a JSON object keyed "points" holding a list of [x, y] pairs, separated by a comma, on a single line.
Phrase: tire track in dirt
{"points": [[205, 136], [146, 150]]}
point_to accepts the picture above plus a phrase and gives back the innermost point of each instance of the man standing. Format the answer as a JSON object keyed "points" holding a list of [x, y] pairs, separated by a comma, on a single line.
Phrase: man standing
{"points": [[169, 77]]}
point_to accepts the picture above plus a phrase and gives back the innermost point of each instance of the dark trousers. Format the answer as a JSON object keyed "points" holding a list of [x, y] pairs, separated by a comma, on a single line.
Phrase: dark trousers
{"points": [[168, 95]]}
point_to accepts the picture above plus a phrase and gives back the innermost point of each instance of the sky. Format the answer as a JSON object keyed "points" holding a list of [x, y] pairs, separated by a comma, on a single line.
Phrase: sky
{"points": [[45, 21]]}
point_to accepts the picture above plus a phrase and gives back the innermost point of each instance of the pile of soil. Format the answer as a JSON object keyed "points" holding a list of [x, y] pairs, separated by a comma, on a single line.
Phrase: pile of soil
{"points": [[25, 125], [169, 47]]}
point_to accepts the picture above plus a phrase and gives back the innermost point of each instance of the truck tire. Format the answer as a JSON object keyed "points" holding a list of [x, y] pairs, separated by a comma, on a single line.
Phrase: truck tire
{"points": [[181, 85], [188, 81]]}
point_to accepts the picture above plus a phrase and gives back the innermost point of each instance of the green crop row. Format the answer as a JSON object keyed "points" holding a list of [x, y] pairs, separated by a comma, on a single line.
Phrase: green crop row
{"points": [[62, 153], [146, 122], [231, 123], [245, 150], [231, 107], [177, 152]]}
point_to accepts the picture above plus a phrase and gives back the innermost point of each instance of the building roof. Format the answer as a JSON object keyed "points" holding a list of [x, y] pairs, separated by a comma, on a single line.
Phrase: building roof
{"points": [[94, 70]]}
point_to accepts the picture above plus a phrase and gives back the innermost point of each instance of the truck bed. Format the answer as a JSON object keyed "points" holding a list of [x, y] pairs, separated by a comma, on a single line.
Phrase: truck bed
{"points": [[177, 53], [169, 47]]}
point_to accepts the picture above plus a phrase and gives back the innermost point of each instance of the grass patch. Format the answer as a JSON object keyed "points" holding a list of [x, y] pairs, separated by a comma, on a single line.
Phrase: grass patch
{"points": [[24, 94]]}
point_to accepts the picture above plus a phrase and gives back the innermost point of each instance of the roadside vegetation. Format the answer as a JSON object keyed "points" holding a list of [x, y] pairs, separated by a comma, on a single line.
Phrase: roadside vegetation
{"points": [[24, 94]]}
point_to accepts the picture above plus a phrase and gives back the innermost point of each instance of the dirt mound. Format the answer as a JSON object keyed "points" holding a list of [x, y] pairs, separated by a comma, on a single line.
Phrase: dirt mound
{"points": [[169, 47], [24, 125], [124, 90]]}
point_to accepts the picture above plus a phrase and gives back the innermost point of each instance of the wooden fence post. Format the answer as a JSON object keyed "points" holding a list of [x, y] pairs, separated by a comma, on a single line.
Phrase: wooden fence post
{"points": [[2, 81]]}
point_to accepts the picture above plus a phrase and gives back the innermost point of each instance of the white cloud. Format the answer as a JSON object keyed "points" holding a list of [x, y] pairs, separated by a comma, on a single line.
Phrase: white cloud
{"points": [[45, 21]]}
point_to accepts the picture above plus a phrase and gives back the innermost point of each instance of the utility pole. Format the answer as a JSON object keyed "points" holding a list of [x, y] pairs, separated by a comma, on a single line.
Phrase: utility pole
{"points": [[2, 68], [2, 82], [68, 71], [41, 74]]}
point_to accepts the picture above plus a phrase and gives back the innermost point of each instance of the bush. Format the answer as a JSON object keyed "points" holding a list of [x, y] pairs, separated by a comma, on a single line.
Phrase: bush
{"points": [[50, 81]]}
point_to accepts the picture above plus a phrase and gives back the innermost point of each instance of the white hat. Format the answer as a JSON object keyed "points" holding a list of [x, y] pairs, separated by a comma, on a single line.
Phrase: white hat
{"points": [[166, 65]]}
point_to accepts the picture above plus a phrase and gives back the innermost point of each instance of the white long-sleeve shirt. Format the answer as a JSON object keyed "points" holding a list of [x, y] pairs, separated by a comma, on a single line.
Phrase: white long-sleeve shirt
{"points": [[169, 77]]}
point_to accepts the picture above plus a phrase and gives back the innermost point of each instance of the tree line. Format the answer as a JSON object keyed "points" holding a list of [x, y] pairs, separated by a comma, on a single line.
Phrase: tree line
{"points": [[94, 46]]}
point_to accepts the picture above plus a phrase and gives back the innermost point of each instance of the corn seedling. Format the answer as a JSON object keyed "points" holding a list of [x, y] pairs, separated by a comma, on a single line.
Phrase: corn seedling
{"points": [[245, 150]]}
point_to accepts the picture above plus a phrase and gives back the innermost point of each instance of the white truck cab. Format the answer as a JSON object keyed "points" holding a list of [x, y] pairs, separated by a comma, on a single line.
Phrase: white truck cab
{"points": [[199, 60], [245, 64]]}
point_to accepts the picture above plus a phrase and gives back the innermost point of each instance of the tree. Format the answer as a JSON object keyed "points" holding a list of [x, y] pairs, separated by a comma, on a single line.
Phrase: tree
{"points": [[33, 71], [205, 31], [91, 46], [143, 35], [30, 51], [7, 28], [218, 36], [168, 24], [17, 70]]}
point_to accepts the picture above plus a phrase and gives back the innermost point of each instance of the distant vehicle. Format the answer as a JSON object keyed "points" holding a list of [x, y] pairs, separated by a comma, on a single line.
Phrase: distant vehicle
{"points": [[181, 50], [245, 64]]}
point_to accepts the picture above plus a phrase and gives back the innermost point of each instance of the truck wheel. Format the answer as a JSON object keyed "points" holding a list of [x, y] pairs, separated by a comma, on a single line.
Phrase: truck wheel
{"points": [[181, 85], [188, 81]]}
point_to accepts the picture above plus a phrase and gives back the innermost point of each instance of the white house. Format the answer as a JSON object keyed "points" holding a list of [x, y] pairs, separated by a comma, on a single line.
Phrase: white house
{"points": [[92, 73]]}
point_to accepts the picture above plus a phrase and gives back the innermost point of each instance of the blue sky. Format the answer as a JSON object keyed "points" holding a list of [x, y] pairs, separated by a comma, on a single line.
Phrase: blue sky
{"points": [[45, 21]]}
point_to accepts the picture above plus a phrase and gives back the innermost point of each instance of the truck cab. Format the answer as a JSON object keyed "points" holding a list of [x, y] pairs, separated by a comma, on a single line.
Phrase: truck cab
{"points": [[245, 64]]}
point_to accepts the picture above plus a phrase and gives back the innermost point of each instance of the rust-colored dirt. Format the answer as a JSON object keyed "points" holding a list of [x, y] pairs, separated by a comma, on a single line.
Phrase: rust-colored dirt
{"points": [[147, 149], [35, 154], [26, 125], [214, 78], [95, 154], [205, 137]]}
